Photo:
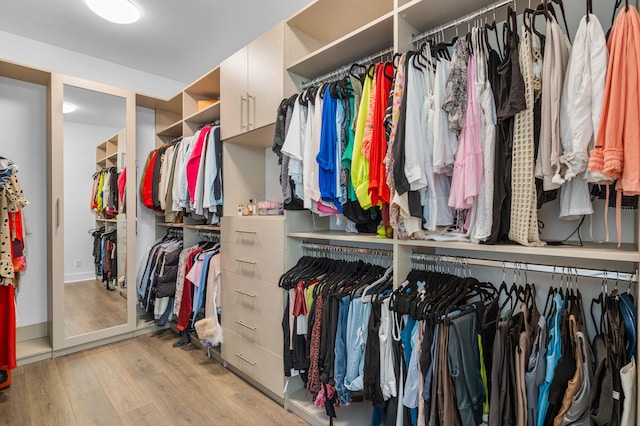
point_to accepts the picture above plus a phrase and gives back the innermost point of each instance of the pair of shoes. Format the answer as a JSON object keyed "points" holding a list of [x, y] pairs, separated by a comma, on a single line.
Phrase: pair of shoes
{"points": [[184, 340]]}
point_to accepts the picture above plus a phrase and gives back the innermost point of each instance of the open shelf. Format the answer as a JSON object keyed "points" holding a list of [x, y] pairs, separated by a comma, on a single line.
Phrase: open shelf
{"points": [[203, 227], [207, 86], [206, 115], [107, 220], [171, 225], [344, 17], [425, 15], [260, 138], [609, 252], [371, 38], [174, 130], [301, 404], [341, 236]]}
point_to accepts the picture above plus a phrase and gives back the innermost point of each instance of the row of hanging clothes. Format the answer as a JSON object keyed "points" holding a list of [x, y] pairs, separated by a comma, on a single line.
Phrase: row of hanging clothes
{"points": [[446, 348], [182, 284], [107, 192], [324, 140], [12, 261], [325, 319], [105, 255], [184, 177], [467, 140]]}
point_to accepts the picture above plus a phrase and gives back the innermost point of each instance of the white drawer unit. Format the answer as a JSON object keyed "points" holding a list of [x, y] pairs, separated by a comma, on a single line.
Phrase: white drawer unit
{"points": [[254, 231], [242, 292], [259, 364], [253, 259], [260, 264]]}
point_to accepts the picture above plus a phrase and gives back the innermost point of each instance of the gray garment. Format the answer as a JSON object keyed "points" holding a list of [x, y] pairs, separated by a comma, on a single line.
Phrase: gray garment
{"points": [[497, 375], [464, 367], [171, 215], [578, 412], [601, 400], [536, 370], [357, 95], [455, 102], [284, 171]]}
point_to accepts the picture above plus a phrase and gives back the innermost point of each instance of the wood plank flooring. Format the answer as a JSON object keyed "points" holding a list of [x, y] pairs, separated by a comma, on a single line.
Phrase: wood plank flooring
{"points": [[140, 381], [88, 307]]}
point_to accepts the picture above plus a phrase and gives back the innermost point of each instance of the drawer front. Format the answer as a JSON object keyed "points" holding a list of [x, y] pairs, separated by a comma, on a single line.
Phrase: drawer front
{"points": [[259, 329], [270, 374], [239, 352], [243, 293], [259, 264], [256, 362], [258, 232]]}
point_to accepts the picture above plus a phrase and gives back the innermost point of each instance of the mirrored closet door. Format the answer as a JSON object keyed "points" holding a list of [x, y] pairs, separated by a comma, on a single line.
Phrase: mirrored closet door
{"points": [[93, 218]]}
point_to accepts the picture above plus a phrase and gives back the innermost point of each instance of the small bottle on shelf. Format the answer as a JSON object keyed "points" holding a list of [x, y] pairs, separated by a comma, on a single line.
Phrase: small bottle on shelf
{"points": [[251, 207], [240, 209]]}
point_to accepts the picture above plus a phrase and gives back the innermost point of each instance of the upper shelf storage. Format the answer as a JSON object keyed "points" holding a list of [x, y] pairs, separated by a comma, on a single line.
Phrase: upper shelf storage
{"points": [[425, 15], [202, 94], [371, 38], [325, 23]]}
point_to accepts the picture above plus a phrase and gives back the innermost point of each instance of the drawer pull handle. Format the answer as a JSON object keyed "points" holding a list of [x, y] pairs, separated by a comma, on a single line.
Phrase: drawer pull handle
{"points": [[248, 262], [245, 325], [244, 359], [246, 232], [245, 294]]}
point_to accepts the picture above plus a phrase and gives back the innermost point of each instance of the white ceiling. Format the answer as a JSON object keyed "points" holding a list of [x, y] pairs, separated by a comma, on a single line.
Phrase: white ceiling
{"points": [[175, 39]]}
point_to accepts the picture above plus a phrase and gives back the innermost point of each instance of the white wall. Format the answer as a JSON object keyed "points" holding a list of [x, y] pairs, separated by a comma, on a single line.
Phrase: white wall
{"points": [[80, 142], [145, 142], [23, 122], [45, 56]]}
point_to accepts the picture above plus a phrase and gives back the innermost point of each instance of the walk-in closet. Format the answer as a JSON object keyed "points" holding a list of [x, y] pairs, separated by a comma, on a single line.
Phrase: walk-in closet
{"points": [[387, 212]]}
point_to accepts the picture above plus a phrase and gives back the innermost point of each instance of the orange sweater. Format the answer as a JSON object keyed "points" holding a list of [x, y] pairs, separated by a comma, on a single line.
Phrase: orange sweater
{"points": [[616, 155]]}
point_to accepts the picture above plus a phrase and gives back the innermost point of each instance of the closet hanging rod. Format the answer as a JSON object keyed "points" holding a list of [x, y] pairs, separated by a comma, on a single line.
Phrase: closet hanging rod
{"points": [[462, 20], [208, 234], [421, 258], [345, 249], [345, 68]]}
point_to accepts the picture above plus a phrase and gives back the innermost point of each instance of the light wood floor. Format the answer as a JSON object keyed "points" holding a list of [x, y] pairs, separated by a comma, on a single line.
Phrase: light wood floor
{"points": [[88, 307], [140, 381]]}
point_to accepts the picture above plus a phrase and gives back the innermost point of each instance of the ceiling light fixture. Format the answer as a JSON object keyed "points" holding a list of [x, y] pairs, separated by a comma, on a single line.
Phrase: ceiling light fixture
{"points": [[68, 107], [116, 11]]}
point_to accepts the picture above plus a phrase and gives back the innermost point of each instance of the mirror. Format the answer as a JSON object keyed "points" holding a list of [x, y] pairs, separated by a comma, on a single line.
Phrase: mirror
{"points": [[95, 220]]}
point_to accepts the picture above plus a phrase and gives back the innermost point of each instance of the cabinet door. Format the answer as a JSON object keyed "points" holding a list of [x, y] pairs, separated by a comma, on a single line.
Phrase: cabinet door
{"points": [[233, 95], [266, 77]]}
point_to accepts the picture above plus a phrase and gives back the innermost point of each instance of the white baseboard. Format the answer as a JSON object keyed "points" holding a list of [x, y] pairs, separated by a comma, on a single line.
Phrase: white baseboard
{"points": [[32, 331], [79, 276]]}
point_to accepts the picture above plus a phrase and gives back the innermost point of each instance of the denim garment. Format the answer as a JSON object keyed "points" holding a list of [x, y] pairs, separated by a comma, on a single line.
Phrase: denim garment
{"points": [[554, 352], [340, 364], [357, 322]]}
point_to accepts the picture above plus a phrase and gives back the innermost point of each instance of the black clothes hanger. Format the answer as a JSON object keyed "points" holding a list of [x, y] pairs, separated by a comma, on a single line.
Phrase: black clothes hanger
{"points": [[353, 72], [589, 9], [564, 15]]}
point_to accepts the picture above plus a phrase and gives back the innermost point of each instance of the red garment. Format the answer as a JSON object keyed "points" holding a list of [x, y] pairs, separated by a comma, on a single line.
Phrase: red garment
{"points": [[187, 300], [7, 327], [147, 184], [193, 163], [17, 241], [300, 302], [122, 182], [378, 188]]}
